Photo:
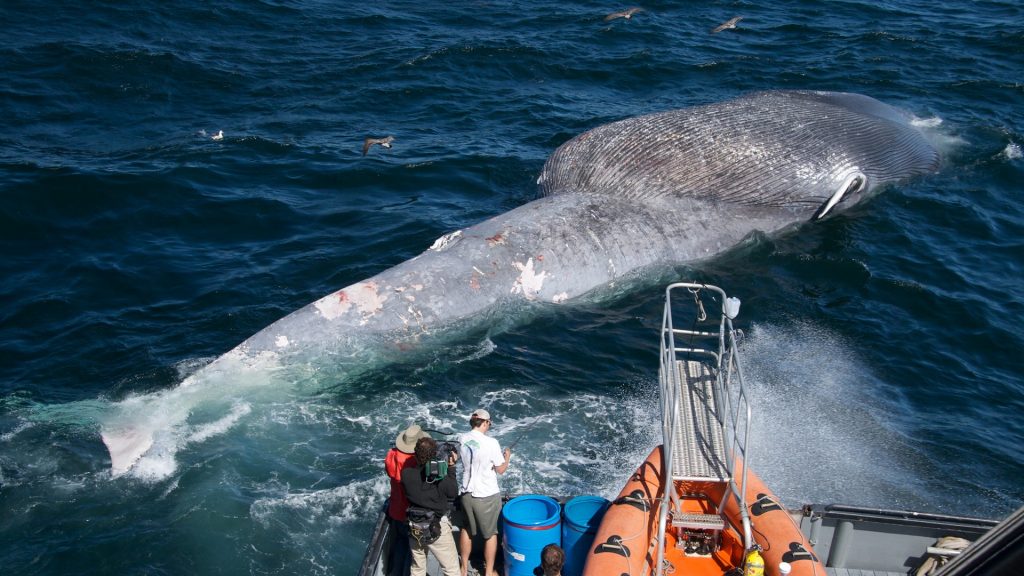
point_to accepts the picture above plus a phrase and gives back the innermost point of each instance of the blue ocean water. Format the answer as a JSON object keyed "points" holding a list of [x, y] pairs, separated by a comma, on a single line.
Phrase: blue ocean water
{"points": [[883, 345]]}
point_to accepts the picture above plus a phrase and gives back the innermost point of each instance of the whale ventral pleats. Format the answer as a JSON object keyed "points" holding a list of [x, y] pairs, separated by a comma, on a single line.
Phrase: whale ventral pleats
{"points": [[777, 149]]}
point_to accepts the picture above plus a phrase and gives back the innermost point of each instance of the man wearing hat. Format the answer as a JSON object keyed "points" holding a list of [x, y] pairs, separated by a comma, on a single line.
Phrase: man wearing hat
{"points": [[397, 556], [482, 461]]}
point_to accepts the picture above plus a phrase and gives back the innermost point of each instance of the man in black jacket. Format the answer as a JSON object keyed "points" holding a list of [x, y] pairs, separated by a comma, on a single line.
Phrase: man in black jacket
{"points": [[430, 490]]}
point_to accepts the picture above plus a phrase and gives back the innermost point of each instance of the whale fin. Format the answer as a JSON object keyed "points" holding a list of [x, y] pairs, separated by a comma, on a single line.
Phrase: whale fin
{"points": [[126, 447], [853, 183]]}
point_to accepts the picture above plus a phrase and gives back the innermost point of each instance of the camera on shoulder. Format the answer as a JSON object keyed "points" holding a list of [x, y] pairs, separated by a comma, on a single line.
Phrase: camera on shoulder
{"points": [[437, 469]]}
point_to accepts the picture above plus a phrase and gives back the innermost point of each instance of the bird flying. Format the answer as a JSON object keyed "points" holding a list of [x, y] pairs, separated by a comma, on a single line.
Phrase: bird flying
{"points": [[384, 143], [730, 23], [627, 14]]}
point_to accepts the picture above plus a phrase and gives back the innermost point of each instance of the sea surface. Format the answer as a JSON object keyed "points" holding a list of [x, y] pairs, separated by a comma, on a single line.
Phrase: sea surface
{"points": [[884, 347]]}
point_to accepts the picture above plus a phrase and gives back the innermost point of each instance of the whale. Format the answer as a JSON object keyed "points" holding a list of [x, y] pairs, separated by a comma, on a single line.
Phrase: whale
{"points": [[619, 206]]}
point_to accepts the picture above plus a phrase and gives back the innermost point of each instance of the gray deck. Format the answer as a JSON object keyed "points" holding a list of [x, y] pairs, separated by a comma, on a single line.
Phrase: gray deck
{"points": [[698, 446], [849, 572]]}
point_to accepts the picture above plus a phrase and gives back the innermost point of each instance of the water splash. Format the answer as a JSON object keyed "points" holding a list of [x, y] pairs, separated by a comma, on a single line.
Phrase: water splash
{"points": [[818, 434]]}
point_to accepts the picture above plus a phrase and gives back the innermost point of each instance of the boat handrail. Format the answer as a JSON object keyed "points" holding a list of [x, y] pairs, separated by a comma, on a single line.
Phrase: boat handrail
{"points": [[372, 557], [732, 407]]}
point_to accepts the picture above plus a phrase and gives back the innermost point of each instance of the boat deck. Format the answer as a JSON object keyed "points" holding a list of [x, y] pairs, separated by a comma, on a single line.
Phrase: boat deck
{"points": [[854, 572], [698, 446]]}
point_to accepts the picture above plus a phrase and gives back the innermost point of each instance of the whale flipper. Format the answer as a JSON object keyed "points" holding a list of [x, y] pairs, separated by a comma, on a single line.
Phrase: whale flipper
{"points": [[126, 446]]}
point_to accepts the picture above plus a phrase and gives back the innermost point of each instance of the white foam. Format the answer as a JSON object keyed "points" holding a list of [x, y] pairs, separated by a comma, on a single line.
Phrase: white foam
{"points": [[168, 437], [364, 421], [482, 350], [144, 433], [349, 503], [207, 431], [938, 134], [932, 122], [21, 427], [1012, 151], [553, 471], [155, 465], [188, 367], [457, 354]]}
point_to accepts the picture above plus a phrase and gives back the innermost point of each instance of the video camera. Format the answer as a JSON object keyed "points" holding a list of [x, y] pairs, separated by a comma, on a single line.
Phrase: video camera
{"points": [[437, 468]]}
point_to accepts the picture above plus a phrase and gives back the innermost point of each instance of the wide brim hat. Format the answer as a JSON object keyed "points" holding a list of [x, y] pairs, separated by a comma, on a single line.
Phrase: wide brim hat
{"points": [[406, 440]]}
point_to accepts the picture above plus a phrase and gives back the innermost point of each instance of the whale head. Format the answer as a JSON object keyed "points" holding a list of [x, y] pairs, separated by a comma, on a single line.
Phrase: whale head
{"points": [[812, 154]]}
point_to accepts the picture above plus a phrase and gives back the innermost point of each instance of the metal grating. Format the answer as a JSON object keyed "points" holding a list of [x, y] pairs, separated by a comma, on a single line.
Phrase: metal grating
{"points": [[698, 448], [698, 521]]}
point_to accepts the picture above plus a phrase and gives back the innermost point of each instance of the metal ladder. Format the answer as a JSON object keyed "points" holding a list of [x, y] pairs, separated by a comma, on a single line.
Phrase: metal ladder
{"points": [[704, 407]]}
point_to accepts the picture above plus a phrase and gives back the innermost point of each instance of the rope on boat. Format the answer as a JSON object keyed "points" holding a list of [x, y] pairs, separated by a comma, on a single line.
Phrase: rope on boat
{"points": [[938, 555]]}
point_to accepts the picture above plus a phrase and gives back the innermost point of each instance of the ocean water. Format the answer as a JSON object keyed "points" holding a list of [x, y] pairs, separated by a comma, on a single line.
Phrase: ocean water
{"points": [[884, 346]]}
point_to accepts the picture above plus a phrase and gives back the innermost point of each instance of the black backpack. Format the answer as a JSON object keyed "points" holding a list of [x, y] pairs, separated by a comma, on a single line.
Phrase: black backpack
{"points": [[424, 524]]}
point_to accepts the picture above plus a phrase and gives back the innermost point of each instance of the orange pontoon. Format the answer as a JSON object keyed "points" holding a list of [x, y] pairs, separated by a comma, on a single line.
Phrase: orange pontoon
{"points": [[626, 542], [692, 507]]}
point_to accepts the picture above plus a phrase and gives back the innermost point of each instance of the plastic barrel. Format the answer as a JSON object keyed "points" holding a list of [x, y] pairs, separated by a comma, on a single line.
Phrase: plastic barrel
{"points": [[530, 523], [582, 517]]}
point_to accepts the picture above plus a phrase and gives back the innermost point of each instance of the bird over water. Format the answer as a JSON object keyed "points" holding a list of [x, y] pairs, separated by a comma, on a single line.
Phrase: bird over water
{"points": [[730, 23], [384, 143], [627, 14]]}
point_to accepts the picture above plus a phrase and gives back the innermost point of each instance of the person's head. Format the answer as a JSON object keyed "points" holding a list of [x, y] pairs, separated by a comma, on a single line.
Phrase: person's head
{"points": [[480, 418], [406, 440], [552, 558], [426, 450]]}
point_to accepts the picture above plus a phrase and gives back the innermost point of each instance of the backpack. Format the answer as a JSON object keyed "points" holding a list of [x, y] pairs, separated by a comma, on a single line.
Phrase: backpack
{"points": [[424, 524]]}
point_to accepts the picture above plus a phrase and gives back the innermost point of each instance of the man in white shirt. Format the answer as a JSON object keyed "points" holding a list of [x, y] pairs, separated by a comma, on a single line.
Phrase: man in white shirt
{"points": [[482, 461]]}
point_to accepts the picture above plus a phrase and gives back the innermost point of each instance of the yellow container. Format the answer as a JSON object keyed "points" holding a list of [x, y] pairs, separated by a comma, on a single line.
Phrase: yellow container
{"points": [[754, 563]]}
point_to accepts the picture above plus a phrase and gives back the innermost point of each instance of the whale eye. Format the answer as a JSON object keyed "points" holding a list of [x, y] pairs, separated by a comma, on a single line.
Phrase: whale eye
{"points": [[854, 183]]}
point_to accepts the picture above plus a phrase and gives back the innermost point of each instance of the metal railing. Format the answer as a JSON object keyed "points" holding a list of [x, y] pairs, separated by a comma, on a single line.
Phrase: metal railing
{"points": [[730, 400]]}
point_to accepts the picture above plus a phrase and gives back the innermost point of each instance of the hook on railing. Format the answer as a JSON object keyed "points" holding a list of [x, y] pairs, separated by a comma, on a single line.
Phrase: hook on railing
{"points": [[701, 314]]}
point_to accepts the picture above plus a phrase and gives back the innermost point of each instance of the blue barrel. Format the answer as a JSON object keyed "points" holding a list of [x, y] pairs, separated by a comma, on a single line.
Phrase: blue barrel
{"points": [[582, 517], [530, 523]]}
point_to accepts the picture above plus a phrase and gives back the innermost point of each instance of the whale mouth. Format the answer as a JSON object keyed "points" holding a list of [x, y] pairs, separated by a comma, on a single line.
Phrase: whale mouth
{"points": [[854, 183]]}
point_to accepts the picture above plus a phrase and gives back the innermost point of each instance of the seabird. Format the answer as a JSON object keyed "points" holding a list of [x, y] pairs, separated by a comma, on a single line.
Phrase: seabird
{"points": [[627, 14], [384, 143], [730, 23], [218, 136]]}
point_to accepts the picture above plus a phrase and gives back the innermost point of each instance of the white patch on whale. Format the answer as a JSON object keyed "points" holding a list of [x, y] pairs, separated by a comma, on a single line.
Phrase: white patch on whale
{"points": [[368, 300], [529, 281], [364, 296], [333, 305], [446, 240]]}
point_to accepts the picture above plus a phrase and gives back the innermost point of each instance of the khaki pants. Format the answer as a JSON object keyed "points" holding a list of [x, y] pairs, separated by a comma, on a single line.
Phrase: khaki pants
{"points": [[443, 549]]}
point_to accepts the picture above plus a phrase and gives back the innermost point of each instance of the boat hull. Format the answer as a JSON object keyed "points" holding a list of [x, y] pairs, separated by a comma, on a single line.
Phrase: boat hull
{"points": [[626, 541]]}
